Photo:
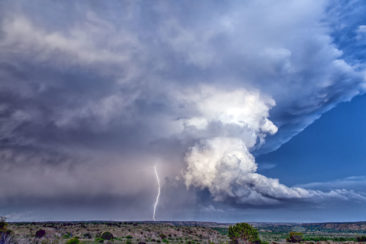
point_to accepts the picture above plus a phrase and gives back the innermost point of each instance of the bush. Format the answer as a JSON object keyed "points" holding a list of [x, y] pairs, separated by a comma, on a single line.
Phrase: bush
{"points": [[87, 236], [67, 235], [342, 239], [99, 240], [3, 224], [361, 238], [6, 236], [107, 236], [74, 240], [244, 232], [40, 233], [294, 237]]}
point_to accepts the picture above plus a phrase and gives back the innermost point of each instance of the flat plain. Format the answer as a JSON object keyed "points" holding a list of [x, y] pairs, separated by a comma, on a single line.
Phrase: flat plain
{"points": [[176, 232]]}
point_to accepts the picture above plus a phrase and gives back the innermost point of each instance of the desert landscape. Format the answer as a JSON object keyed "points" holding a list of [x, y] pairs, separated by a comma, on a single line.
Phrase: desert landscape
{"points": [[179, 232]]}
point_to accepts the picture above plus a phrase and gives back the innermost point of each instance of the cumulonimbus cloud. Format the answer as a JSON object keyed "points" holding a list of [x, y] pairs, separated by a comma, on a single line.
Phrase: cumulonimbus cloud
{"points": [[202, 93], [223, 163], [226, 168]]}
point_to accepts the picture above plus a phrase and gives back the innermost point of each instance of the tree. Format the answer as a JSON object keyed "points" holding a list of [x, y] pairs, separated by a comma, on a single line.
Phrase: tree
{"points": [[40, 233], [294, 237], [6, 235], [3, 224], [107, 235], [243, 233], [361, 238]]}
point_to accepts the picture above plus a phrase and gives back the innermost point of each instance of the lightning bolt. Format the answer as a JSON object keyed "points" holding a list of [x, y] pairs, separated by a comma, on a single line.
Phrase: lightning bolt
{"points": [[158, 195]]}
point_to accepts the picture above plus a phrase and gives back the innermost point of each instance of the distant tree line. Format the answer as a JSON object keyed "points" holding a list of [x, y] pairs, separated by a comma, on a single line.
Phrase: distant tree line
{"points": [[245, 233]]}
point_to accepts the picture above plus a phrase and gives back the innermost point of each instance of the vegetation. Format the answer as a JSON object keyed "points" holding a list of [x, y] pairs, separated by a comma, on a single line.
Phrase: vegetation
{"points": [[295, 237], [243, 232], [6, 235], [221, 230], [99, 240], [328, 238], [67, 235], [107, 236], [74, 240], [361, 238], [179, 232], [3, 224], [40, 233]]}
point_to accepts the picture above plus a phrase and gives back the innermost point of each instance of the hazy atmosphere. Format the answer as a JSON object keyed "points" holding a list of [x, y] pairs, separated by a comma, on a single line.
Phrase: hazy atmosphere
{"points": [[241, 110]]}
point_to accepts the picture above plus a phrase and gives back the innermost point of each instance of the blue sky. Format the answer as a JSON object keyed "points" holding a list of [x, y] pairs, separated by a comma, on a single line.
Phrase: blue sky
{"points": [[332, 148], [329, 153], [250, 110]]}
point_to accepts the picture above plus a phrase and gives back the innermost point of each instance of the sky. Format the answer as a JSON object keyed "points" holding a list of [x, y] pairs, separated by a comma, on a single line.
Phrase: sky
{"points": [[248, 110]]}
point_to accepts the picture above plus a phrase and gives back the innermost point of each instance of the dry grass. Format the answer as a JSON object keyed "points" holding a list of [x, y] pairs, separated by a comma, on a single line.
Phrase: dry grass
{"points": [[122, 232]]}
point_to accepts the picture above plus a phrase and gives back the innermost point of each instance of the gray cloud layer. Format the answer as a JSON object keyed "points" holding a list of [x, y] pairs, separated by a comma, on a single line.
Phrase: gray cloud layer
{"points": [[93, 94]]}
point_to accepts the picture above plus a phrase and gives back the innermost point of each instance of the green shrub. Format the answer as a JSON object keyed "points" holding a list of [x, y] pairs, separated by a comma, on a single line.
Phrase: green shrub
{"points": [[74, 240], [3, 224], [295, 237], [40, 233], [99, 240], [361, 238], [107, 236], [87, 236], [6, 235], [342, 239], [67, 235], [315, 238], [244, 232]]}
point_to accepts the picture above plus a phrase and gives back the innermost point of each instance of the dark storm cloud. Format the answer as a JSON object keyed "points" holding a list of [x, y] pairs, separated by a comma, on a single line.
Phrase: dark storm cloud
{"points": [[93, 94]]}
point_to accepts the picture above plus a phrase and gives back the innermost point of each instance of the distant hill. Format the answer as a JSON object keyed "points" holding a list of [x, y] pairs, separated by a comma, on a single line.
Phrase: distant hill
{"points": [[314, 227]]}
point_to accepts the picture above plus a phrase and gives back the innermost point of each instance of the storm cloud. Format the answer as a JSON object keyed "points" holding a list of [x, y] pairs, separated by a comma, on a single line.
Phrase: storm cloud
{"points": [[94, 94]]}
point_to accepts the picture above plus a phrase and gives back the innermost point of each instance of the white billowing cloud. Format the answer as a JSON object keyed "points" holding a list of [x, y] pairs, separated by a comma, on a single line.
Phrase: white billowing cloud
{"points": [[216, 163], [223, 164], [238, 107], [241, 112], [226, 168]]}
